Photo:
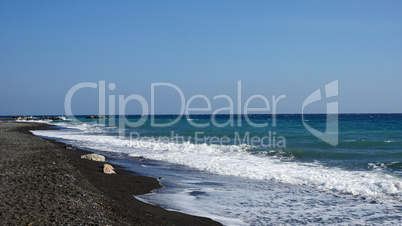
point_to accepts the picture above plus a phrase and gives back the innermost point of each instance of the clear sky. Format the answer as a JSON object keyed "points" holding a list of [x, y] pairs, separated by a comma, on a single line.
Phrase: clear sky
{"points": [[277, 48]]}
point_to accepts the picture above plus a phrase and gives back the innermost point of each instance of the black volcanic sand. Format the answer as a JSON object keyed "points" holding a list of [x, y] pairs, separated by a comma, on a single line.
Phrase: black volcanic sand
{"points": [[42, 182]]}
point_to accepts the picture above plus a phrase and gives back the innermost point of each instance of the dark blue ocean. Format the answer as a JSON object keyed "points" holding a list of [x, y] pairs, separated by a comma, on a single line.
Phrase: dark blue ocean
{"points": [[258, 169]]}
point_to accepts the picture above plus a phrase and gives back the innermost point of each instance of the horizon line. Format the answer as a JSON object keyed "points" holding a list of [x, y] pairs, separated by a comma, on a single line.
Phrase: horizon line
{"points": [[173, 114]]}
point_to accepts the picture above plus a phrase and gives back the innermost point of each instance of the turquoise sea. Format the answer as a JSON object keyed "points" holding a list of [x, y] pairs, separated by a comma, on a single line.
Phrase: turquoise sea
{"points": [[257, 169]]}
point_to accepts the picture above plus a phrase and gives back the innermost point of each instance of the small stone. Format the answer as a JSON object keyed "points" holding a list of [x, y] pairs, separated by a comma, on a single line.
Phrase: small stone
{"points": [[70, 148], [94, 157], [108, 169]]}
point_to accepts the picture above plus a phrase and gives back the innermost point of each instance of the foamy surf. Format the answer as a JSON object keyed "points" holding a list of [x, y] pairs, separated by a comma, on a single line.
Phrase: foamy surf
{"points": [[235, 160], [306, 183]]}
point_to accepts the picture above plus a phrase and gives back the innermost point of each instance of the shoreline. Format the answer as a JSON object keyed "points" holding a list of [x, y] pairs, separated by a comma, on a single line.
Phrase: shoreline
{"points": [[112, 196]]}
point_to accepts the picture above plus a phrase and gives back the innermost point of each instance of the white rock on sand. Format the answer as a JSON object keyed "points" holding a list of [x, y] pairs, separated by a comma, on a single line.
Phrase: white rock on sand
{"points": [[94, 157], [108, 169]]}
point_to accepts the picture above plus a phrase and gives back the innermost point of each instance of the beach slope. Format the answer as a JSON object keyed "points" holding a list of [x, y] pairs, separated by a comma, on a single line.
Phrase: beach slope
{"points": [[41, 182]]}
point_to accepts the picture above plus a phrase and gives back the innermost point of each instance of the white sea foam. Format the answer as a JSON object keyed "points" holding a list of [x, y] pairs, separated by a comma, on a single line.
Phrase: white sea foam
{"points": [[234, 160], [184, 202], [264, 202], [38, 120]]}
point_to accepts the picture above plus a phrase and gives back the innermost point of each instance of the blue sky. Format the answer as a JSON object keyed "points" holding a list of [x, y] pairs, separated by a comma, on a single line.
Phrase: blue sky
{"points": [[276, 48]]}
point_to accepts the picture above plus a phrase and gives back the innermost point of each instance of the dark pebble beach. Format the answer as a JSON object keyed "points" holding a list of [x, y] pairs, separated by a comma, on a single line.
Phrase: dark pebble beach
{"points": [[42, 182]]}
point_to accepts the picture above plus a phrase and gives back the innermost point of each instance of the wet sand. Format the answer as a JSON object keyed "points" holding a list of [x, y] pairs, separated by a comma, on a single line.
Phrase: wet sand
{"points": [[42, 182]]}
